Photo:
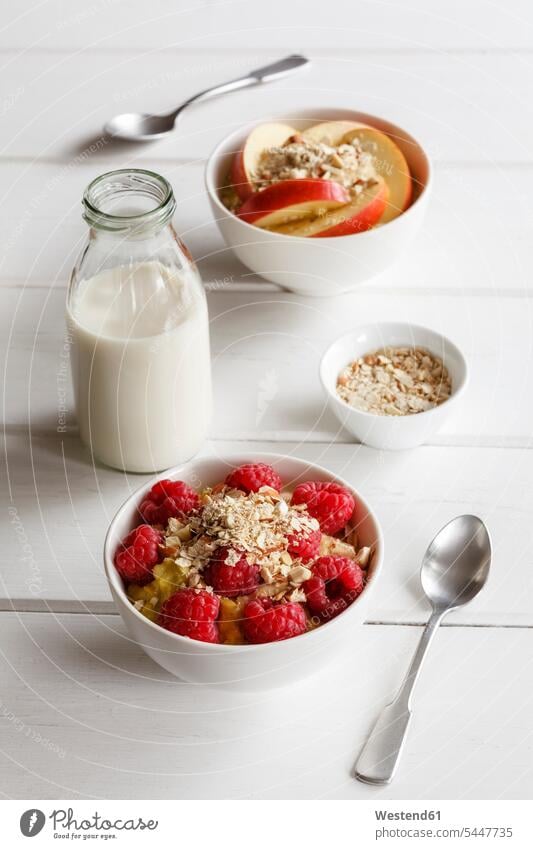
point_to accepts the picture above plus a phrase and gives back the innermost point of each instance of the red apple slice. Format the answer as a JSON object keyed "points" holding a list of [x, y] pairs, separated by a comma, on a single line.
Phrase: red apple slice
{"points": [[391, 164], [292, 200], [245, 161], [330, 132], [355, 217]]}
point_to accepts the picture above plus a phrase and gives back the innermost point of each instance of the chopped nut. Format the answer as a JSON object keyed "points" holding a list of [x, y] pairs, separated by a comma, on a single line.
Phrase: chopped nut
{"points": [[300, 158], [297, 595], [266, 575], [299, 574], [363, 556], [271, 590], [267, 490], [232, 557], [193, 578], [334, 547], [171, 547]]}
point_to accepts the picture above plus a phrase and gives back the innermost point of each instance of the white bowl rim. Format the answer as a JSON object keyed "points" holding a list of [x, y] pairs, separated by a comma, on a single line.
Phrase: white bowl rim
{"points": [[116, 582], [213, 191], [387, 324]]}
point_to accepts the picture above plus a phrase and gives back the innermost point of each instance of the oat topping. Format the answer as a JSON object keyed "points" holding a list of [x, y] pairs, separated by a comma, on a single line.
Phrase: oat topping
{"points": [[300, 158], [395, 382], [258, 524]]}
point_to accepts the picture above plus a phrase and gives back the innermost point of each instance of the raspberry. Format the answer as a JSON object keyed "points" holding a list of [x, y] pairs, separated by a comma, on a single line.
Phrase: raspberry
{"points": [[168, 499], [236, 577], [305, 546], [335, 583], [137, 555], [330, 503], [191, 613], [252, 476], [266, 622]]}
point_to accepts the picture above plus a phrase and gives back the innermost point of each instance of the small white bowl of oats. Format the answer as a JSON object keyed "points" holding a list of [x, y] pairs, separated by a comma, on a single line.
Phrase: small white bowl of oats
{"points": [[393, 384]]}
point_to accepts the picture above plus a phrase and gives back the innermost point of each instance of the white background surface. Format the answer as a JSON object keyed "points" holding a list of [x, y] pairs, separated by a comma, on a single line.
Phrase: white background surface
{"points": [[83, 712]]}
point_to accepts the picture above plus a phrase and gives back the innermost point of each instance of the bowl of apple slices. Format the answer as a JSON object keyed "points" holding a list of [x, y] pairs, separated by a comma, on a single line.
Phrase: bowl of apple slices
{"points": [[319, 201]]}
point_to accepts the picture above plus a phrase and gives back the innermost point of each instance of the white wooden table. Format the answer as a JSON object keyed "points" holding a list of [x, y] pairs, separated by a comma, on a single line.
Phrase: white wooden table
{"points": [[83, 712]]}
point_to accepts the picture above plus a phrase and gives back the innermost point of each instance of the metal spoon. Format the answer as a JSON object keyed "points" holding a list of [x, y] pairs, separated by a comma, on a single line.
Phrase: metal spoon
{"points": [[455, 568], [136, 126]]}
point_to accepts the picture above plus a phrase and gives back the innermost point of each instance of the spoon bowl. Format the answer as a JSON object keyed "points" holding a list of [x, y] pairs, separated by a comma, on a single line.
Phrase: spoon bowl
{"points": [[137, 126], [456, 564]]}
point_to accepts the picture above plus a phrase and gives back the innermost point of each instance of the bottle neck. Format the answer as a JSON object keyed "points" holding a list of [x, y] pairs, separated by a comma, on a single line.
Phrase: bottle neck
{"points": [[128, 205]]}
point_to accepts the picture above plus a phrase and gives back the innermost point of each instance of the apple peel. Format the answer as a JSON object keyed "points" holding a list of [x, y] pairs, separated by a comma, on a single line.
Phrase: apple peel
{"points": [[359, 215], [331, 132], [291, 201], [391, 164], [245, 161]]}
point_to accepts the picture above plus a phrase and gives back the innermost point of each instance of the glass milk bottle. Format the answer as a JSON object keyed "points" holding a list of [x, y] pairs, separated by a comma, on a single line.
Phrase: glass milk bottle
{"points": [[137, 316]]}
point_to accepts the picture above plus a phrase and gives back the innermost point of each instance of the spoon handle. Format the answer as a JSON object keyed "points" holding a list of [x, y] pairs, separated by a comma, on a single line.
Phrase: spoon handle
{"points": [[380, 755], [274, 71]]}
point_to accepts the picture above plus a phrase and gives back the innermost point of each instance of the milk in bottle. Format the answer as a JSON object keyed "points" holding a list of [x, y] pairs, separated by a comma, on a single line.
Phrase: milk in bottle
{"points": [[137, 316]]}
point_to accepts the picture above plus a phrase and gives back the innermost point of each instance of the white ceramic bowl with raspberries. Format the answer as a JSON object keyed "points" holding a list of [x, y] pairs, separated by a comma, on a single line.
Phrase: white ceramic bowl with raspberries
{"points": [[303, 606]]}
